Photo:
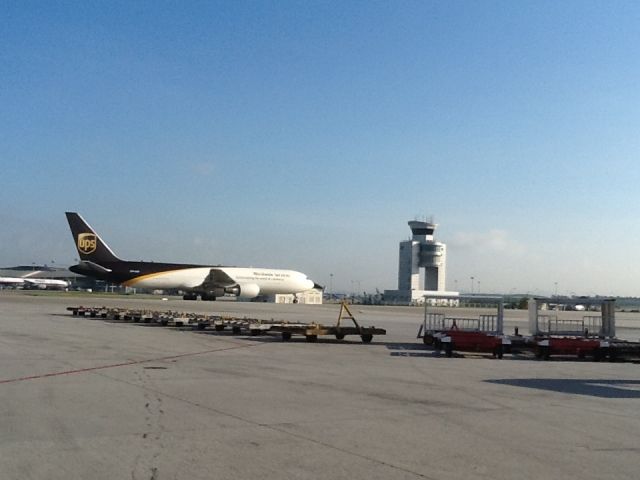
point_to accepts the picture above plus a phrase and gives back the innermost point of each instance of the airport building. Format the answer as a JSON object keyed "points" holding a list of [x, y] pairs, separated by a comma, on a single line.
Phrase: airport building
{"points": [[46, 272], [421, 268]]}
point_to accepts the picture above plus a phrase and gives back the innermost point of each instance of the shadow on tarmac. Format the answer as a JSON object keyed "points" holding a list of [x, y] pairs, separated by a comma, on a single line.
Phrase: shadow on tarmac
{"points": [[602, 388], [349, 340], [410, 350]]}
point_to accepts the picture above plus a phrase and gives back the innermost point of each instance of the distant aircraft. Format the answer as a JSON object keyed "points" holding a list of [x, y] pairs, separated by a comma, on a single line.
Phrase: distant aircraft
{"points": [[12, 281], [97, 260], [40, 283]]}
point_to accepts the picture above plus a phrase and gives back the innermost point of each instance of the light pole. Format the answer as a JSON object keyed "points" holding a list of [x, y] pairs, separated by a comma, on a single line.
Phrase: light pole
{"points": [[330, 284], [472, 278]]}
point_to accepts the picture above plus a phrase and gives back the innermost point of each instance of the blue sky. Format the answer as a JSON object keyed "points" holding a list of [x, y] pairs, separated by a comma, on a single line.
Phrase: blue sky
{"points": [[305, 135]]}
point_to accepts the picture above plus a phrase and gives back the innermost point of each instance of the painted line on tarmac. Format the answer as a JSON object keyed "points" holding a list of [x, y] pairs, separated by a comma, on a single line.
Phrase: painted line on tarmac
{"points": [[124, 364]]}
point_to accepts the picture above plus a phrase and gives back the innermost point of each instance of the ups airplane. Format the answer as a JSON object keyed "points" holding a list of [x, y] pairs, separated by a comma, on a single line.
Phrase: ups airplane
{"points": [[97, 260]]}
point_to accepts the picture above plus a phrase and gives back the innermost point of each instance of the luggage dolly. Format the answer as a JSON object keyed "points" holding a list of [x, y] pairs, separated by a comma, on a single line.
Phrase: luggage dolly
{"points": [[313, 330]]}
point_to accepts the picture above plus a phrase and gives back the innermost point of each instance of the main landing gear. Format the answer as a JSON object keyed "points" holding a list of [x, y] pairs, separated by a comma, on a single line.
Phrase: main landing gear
{"points": [[205, 297]]}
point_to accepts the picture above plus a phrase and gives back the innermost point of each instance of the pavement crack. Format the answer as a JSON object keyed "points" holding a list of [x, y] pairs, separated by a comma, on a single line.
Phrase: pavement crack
{"points": [[272, 428]]}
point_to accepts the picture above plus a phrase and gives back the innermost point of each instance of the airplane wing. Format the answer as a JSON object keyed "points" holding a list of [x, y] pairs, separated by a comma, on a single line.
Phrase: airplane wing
{"points": [[217, 278]]}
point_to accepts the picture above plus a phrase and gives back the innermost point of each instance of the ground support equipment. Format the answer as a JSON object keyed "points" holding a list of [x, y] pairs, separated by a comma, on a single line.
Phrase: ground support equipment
{"points": [[312, 331], [479, 335], [238, 326], [470, 341]]}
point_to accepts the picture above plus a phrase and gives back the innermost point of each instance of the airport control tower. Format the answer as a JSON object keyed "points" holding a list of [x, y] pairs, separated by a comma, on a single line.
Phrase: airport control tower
{"points": [[422, 252], [422, 266]]}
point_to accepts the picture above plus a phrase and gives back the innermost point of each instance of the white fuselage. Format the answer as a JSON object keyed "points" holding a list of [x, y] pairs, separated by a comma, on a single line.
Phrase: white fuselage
{"points": [[269, 281], [34, 282], [47, 282]]}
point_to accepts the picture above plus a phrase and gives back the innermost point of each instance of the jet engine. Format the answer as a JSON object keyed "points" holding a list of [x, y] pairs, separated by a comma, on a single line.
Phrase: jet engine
{"points": [[246, 290]]}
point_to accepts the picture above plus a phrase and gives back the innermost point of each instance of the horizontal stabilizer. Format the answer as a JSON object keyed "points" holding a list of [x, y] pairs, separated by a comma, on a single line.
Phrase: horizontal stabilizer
{"points": [[92, 267]]}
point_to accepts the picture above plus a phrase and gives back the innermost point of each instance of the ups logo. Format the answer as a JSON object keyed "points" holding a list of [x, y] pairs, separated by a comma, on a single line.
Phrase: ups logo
{"points": [[87, 243]]}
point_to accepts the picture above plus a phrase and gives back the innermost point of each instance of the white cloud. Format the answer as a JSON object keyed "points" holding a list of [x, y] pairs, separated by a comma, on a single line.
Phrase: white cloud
{"points": [[493, 241]]}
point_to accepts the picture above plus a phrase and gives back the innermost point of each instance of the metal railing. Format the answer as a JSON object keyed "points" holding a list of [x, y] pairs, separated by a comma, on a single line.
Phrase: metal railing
{"points": [[593, 325], [590, 325], [438, 322]]}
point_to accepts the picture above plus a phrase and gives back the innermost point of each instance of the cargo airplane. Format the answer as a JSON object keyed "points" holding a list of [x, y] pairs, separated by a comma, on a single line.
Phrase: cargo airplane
{"points": [[97, 260]]}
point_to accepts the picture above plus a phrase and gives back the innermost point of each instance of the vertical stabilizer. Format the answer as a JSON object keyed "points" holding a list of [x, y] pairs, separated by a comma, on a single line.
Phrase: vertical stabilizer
{"points": [[89, 245]]}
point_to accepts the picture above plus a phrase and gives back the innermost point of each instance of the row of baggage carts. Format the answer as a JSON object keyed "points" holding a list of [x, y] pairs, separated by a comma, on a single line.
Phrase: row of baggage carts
{"points": [[346, 324]]}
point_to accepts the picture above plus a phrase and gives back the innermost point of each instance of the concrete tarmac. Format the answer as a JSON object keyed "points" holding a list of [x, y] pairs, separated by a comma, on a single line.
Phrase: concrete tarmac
{"points": [[86, 398]]}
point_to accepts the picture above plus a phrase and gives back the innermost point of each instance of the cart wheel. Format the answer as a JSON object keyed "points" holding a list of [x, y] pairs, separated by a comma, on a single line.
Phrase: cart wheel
{"points": [[312, 338], [546, 353], [428, 339], [366, 338], [340, 336], [219, 328], [202, 326], [437, 344], [254, 332], [286, 336], [498, 352], [236, 330], [448, 349]]}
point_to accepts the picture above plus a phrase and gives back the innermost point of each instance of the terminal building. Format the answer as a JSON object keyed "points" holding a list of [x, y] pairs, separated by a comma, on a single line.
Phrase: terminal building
{"points": [[421, 268], [46, 272]]}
